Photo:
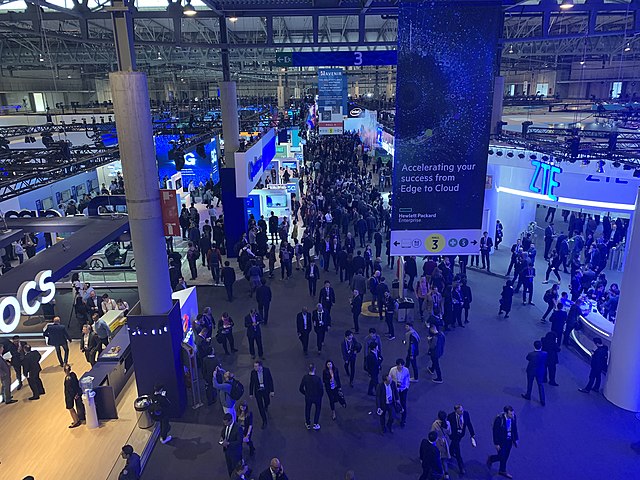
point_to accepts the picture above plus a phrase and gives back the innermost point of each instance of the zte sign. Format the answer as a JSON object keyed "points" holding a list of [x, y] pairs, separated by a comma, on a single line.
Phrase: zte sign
{"points": [[11, 307]]}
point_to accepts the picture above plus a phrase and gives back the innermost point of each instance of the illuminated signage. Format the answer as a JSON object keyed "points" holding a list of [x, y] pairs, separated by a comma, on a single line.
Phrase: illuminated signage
{"points": [[254, 167], [547, 175], [10, 307]]}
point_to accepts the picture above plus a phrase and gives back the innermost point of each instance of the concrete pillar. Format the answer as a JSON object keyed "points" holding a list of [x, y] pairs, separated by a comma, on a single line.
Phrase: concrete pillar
{"points": [[137, 153], [281, 99], [622, 387], [356, 89], [498, 97], [230, 124], [389, 83]]}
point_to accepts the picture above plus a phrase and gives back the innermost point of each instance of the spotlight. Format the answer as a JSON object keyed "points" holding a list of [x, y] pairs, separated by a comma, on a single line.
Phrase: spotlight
{"points": [[601, 166], [499, 153], [188, 9], [491, 152], [233, 19], [566, 5], [521, 155], [616, 164], [582, 62], [585, 162], [533, 156], [545, 158], [41, 58], [510, 154], [627, 167], [510, 48], [627, 47]]}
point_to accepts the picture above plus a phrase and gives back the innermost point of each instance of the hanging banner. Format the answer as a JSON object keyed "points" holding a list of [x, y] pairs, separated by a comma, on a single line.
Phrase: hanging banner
{"points": [[446, 62], [332, 100]]}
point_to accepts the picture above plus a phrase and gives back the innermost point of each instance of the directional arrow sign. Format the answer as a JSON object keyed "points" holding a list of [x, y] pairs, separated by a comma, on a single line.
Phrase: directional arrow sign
{"points": [[284, 59], [474, 242], [396, 243]]}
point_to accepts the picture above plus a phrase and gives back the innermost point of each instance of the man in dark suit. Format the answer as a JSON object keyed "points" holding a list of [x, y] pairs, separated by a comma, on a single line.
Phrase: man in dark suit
{"points": [[327, 296], [372, 366], [89, 344], [203, 345], [263, 297], [486, 244], [274, 472], [535, 370], [261, 387], [228, 278], [254, 333], [312, 389], [386, 398], [16, 348], [505, 436], [57, 336], [430, 458], [94, 305], [548, 240], [31, 369], [321, 323], [460, 421], [350, 349], [304, 326], [231, 441], [599, 360], [312, 274]]}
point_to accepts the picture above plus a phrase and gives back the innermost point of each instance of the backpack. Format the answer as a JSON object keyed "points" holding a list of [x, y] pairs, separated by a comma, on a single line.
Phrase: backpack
{"points": [[285, 254], [547, 296], [155, 408], [237, 390]]}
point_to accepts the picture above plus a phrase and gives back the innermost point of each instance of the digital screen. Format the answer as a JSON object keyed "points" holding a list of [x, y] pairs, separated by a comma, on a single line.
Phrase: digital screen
{"points": [[276, 201], [47, 203], [200, 162], [66, 195]]}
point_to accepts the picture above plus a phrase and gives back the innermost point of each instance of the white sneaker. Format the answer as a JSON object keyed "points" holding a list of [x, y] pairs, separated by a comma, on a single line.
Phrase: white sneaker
{"points": [[316, 426], [166, 440]]}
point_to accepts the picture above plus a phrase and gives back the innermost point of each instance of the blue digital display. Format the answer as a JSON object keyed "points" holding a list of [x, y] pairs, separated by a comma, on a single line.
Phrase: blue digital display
{"points": [[336, 59], [200, 163]]}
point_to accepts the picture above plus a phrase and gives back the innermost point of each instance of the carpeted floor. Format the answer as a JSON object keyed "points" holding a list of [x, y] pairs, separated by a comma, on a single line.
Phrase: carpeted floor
{"points": [[574, 436]]}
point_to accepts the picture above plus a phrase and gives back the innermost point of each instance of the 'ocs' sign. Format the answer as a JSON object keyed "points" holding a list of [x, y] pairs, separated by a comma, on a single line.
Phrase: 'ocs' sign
{"points": [[10, 307]]}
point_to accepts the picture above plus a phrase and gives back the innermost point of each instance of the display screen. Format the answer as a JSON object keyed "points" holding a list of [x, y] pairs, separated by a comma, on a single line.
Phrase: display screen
{"points": [[200, 163], [47, 203], [276, 201], [66, 195]]}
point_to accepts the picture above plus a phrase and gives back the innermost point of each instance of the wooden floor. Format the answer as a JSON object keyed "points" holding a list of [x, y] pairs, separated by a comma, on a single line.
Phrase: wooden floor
{"points": [[35, 440]]}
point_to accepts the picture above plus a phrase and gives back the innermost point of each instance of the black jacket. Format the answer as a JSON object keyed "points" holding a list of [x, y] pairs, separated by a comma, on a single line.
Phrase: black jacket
{"points": [[430, 458], [500, 429], [349, 351], [234, 449], [263, 294], [537, 363], [31, 363], [316, 272], [599, 359], [311, 388], [254, 384], [266, 475], [453, 421], [228, 276], [381, 394], [321, 326], [56, 335], [300, 323], [253, 332], [372, 364], [327, 299]]}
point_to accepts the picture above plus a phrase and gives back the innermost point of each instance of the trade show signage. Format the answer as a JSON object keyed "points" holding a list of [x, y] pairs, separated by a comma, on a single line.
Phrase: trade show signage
{"points": [[336, 59], [170, 216], [250, 165], [11, 307], [547, 175], [446, 62], [332, 100]]}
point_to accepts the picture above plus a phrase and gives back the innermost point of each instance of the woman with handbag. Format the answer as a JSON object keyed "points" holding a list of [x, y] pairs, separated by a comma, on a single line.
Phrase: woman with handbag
{"points": [[331, 380], [245, 418], [225, 333], [443, 428]]}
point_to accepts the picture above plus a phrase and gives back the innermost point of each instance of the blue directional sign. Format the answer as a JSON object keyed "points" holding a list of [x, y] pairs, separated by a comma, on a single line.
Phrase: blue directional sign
{"points": [[336, 59]]}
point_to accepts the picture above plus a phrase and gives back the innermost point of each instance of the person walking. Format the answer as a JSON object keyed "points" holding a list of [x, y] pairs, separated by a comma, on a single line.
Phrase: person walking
{"points": [[387, 403], [536, 369], [31, 368], [57, 336], [430, 458], [467, 297], [400, 375], [350, 349], [327, 297], [263, 297], [373, 362], [321, 323], [73, 397], [412, 340], [599, 359], [356, 309], [551, 347], [506, 299], [551, 299], [159, 411], [311, 388], [5, 379], [460, 421], [254, 333], [390, 305], [436, 350], [333, 386], [527, 276], [312, 274], [89, 344], [443, 428], [304, 326], [558, 321], [505, 436], [245, 419], [261, 387], [223, 381]]}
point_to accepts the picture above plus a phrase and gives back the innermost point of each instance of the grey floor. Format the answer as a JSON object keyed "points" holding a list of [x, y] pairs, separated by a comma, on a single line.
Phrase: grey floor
{"points": [[574, 436]]}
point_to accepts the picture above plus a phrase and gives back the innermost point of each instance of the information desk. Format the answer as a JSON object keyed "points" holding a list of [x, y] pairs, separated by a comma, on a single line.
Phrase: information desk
{"points": [[593, 325], [110, 374]]}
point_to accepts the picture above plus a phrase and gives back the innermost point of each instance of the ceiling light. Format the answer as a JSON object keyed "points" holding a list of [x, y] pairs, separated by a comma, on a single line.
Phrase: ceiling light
{"points": [[566, 5], [510, 48], [582, 62], [41, 58], [627, 48], [233, 19], [636, 173], [188, 9]]}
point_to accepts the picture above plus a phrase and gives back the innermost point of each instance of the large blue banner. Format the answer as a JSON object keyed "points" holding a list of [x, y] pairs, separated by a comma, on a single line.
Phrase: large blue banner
{"points": [[199, 164], [447, 55]]}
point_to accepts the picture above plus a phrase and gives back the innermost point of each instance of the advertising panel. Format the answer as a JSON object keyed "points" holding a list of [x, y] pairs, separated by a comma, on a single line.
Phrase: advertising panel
{"points": [[332, 100], [446, 63]]}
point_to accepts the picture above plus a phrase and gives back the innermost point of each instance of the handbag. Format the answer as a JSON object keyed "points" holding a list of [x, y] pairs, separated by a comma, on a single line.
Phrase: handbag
{"points": [[220, 338], [341, 398]]}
